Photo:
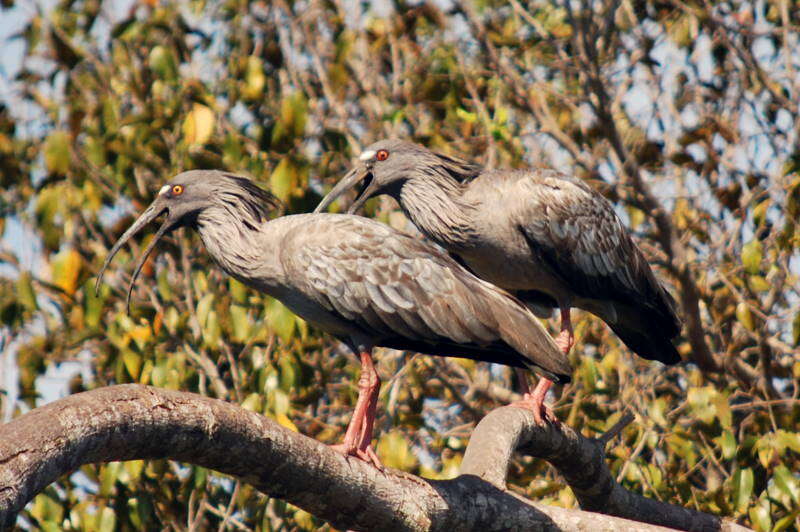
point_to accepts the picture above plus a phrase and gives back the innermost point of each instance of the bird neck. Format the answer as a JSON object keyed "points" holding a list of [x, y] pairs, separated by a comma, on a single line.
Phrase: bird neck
{"points": [[239, 246], [439, 211]]}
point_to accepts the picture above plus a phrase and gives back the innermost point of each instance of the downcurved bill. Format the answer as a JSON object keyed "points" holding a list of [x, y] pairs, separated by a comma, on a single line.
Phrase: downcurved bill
{"points": [[355, 176], [156, 209]]}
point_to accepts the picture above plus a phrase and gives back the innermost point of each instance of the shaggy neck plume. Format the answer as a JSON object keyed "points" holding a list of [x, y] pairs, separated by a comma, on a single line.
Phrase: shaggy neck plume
{"points": [[230, 232], [435, 204]]}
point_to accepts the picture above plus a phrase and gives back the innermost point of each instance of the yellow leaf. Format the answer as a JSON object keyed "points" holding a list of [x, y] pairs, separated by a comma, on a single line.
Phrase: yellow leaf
{"points": [[66, 268], [752, 253], [395, 452], [199, 125], [282, 180], [141, 334], [56, 152], [744, 316], [133, 363], [254, 78], [284, 421]]}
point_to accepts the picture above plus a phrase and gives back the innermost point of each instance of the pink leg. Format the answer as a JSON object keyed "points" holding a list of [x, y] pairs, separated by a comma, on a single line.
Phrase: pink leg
{"points": [[565, 339], [534, 401], [358, 436]]}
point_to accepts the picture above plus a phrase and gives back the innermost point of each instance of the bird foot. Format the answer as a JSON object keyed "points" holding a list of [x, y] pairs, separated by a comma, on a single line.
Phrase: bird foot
{"points": [[542, 413], [367, 454]]}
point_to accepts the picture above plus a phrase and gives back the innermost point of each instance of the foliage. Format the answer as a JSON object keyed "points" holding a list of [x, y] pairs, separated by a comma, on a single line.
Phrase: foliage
{"points": [[683, 114]]}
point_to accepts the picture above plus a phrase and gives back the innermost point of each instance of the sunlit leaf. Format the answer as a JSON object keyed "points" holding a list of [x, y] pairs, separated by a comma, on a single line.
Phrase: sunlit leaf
{"points": [[760, 517], [395, 452], [25, 292], [254, 78], [133, 363], [752, 253], [742, 488], [66, 268], [162, 62], [727, 444], [744, 316], [198, 125], [280, 319], [56, 152]]}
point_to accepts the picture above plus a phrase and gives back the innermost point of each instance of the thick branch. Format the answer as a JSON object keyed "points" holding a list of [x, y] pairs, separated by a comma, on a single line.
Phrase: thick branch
{"points": [[134, 422], [582, 463]]}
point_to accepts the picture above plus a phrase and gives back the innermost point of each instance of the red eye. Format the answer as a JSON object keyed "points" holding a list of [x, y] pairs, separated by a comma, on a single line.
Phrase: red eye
{"points": [[177, 190], [382, 155]]}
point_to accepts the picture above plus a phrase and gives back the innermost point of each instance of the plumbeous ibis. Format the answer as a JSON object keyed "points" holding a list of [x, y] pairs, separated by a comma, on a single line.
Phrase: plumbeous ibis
{"points": [[546, 237], [355, 278]]}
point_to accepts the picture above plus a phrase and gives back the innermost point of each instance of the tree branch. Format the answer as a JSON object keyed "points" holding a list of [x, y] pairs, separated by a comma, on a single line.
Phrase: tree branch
{"points": [[129, 422], [581, 461]]}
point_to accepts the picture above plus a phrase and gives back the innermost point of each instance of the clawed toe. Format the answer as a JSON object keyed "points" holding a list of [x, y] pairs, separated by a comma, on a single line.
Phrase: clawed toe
{"points": [[366, 454], [542, 413]]}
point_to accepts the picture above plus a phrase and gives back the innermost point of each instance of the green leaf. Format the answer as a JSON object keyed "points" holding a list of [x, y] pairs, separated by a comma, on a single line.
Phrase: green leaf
{"points": [[281, 320], [93, 304], [288, 373], [252, 403], [727, 444], [758, 283], [56, 152], [25, 293], [759, 516], [240, 322], [212, 331], [162, 62], [106, 520], [204, 307], [752, 253], [742, 488], [108, 477], [785, 523], [787, 482], [292, 119]]}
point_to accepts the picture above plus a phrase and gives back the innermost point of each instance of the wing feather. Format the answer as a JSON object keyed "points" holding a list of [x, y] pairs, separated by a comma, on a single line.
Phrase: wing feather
{"points": [[404, 293], [576, 233]]}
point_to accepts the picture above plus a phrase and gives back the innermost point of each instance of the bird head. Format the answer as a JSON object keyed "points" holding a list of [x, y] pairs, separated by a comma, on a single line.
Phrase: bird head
{"points": [[387, 165], [183, 198]]}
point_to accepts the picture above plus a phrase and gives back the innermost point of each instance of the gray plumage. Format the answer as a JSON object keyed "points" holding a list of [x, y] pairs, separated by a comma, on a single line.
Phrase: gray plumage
{"points": [[355, 278], [545, 236]]}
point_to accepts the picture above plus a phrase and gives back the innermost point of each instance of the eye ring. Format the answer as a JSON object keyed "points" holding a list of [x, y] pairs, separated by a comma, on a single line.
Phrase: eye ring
{"points": [[382, 155], [177, 190]]}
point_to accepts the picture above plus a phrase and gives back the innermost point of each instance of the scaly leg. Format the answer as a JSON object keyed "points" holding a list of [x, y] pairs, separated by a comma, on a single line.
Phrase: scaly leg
{"points": [[358, 436], [534, 401], [565, 339]]}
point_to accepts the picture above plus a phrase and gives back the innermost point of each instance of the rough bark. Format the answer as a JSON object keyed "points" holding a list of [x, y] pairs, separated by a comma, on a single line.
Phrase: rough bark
{"points": [[129, 422]]}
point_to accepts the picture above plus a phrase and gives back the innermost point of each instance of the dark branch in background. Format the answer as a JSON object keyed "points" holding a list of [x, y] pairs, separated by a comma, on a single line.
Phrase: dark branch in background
{"points": [[129, 422]]}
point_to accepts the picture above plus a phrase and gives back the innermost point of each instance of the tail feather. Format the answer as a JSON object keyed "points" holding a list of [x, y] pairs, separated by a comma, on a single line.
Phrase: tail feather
{"points": [[650, 345], [520, 329]]}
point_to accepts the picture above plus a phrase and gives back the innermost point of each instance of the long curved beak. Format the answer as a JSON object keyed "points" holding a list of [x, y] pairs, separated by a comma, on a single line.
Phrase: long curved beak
{"points": [[358, 174], [156, 209]]}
